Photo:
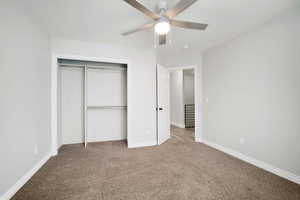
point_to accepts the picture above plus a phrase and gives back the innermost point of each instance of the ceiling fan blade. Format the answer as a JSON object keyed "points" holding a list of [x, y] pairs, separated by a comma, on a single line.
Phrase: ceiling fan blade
{"points": [[188, 25], [181, 6], [162, 39], [144, 27], [143, 9]]}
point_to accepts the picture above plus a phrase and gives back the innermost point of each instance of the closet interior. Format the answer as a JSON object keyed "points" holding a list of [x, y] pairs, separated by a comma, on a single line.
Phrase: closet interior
{"points": [[92, 102]]}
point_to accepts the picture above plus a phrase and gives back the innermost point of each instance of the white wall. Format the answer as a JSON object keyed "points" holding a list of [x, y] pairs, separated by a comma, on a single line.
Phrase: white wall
{"points": [[253, 88], [188, 86], [142, 75], [176, 98], [25, 95]]}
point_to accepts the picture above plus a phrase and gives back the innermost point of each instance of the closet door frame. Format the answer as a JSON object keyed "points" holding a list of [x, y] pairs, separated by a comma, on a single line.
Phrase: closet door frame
{"points": [[54, 94], [85, 89]]}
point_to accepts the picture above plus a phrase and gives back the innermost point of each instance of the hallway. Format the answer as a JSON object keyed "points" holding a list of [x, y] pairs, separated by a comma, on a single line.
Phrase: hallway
{"points": [[183, 134]]}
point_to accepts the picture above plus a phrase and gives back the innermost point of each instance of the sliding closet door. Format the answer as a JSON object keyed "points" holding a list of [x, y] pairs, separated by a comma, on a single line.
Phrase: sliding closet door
{"points": [[107, 118], [71, 103]]}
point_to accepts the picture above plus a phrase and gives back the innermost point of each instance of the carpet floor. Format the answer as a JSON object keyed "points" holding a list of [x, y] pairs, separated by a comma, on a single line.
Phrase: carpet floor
{"points": [[178, 169]]}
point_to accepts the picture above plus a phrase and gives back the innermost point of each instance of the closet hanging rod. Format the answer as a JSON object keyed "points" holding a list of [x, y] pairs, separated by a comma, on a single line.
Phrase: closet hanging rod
{"points": [[91, 67], [71, 65], [106, 68], [108, 107]]}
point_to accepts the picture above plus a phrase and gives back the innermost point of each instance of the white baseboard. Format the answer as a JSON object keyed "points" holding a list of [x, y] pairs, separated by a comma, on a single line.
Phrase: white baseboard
{"points": [[279, 172], [178, 125], [12, 191], [197, 139], [147, 144], [55, 152]]}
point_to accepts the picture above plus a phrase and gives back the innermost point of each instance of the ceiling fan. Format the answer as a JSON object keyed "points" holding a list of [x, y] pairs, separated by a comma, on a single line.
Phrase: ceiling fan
{"points": [[164, 19]]}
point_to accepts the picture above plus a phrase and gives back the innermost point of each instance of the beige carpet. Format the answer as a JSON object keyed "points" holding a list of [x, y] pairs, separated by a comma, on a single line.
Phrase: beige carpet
{"points": [[179, 169]]}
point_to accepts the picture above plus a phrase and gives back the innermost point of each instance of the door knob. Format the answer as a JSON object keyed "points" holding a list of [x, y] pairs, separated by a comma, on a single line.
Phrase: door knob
{"points": [[160, 108]]}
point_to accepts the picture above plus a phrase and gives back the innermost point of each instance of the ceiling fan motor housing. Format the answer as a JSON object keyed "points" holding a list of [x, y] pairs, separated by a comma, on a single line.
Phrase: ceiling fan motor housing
{"points": [[162, 7]]}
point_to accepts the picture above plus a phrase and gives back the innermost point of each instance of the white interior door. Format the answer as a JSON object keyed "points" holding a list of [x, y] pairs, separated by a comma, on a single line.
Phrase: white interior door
{"points": [[163, 104]]}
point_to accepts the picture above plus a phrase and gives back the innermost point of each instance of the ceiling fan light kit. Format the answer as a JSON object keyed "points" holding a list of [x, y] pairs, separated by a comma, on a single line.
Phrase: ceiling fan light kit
{"points": [[163, 20], [163, 26]]}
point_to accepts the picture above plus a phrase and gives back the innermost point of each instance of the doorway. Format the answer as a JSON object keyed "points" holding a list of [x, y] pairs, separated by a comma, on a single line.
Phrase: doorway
{"points": [[183, 103]]}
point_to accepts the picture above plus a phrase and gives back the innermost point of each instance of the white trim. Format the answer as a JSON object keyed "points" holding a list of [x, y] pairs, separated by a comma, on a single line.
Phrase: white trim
{"points": [[277, 171], [182, 68], [54, 96], [17, 186], [198, 96], [54, 89], [178, 125], [139, 145]]}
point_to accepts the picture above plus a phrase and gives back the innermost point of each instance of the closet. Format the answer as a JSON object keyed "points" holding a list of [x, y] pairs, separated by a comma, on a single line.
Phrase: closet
{"points": [[92, 102]]}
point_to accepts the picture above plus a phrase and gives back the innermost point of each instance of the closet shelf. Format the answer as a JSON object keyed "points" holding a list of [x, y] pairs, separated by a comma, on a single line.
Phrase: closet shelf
{"points": [[106, 107]]}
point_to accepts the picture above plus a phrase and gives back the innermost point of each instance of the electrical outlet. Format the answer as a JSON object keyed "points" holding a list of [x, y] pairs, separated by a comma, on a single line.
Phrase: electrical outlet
{"points": [[36, 150], [242, 140]]}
